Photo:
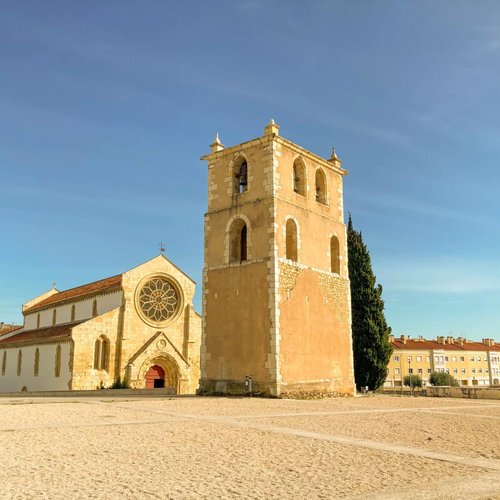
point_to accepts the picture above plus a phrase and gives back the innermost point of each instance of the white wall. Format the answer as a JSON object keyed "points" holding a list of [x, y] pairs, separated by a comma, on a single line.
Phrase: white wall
{"points": [[46, 379], [83, 310]]}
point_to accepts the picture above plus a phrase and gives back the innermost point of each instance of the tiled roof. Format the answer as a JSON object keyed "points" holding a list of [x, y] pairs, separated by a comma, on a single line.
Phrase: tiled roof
{"points": [[78, 292], [59, 332], [427, 345], [8, 328], [479, 346]]}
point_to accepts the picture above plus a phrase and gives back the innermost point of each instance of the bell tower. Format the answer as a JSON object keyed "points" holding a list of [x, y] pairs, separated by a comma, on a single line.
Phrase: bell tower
{"points": [[276, 297]]}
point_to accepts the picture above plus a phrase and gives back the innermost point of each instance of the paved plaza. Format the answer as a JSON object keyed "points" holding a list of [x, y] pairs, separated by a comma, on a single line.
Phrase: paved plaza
{"points": [[200, 447]]}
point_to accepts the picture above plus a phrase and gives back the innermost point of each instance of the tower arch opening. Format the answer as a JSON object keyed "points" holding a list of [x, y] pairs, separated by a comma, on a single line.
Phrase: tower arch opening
{"points": [[240, 175], [299, 177], [238, 241], [334, 255], [291, 240], [321, 189]]}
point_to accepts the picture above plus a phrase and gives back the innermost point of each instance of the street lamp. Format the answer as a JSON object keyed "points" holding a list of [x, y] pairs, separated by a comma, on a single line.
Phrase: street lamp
{"points": [[401, 375], [409, 374]]}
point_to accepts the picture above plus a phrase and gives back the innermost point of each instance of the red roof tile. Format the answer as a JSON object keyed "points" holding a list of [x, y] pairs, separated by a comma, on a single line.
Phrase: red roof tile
{"points": [[427, 345], [479, 346], [4, 329], [424, 345], [79, 292], [59, 332]]}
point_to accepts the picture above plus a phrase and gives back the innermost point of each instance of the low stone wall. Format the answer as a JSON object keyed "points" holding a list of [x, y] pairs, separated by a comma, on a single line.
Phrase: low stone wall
{"points": [[464, 392], [209, 387], [100, 393], [396, 391]]}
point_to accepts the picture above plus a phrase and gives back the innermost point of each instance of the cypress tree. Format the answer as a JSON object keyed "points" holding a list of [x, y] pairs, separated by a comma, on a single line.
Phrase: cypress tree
{"points": [[370, 333]]}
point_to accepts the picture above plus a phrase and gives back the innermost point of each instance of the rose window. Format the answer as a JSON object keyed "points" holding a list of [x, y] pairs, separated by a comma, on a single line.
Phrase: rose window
{"points": [[158, 299]]}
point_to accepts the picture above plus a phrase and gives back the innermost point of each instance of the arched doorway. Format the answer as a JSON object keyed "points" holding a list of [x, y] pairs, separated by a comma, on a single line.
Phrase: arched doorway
{"points": [[163, 372], [155, 377]]}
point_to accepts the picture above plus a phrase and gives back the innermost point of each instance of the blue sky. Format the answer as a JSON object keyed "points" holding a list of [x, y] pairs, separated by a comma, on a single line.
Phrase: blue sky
{"points": [[106, 108]]}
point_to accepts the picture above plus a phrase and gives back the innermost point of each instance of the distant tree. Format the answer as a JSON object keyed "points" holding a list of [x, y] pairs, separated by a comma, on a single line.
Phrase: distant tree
{"points": [[370, 333], [442, 378], [412, 380]]}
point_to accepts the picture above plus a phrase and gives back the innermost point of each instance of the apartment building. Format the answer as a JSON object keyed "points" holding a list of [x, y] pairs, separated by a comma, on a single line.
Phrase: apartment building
{"points": [[470, 362]]}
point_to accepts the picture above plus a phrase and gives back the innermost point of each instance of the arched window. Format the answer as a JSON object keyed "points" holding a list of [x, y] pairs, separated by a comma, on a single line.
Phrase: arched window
{"points": [[97, 354], [4, 362], [73, 312], [291, 240], [101, 353], [19, 362], [335, 255], [54, 316], [320, 186], [37, 362], [240, 175], [94, 308], [238, 241], [299, 177], [104, 354], [57, 364], [38, 320]]}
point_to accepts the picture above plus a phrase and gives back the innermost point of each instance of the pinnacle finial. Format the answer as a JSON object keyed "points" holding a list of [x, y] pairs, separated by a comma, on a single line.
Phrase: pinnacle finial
{"points": [[271, 128], [217, 145], [334, 157]]}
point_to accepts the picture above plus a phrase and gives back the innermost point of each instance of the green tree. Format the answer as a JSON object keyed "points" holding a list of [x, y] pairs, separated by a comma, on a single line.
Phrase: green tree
{"points": [[412, 380], [120, 384], [370, 333], [442, 378]]}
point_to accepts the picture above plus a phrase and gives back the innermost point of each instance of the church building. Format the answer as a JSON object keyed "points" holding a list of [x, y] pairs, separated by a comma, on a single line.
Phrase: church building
{"points": [[276, 294], [139, 327]]}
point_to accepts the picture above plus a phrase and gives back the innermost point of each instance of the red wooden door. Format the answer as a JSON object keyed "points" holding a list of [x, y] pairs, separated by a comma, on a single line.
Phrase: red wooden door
{"points": [[155, 377]]}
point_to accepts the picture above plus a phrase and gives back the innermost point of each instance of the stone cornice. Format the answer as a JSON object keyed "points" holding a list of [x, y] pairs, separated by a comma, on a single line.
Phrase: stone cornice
{"points": [[280, 140], [272, 198]]}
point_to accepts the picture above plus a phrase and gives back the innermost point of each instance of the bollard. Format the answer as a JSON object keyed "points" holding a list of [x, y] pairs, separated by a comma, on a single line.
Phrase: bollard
{"points": [[248, 384]]}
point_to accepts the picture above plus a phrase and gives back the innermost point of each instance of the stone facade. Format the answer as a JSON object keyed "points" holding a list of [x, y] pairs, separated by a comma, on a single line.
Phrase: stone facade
{"points": [[276, 301], [99, 333]]}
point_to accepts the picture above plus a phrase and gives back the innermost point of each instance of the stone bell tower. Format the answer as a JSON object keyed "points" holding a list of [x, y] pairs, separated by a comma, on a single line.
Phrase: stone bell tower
{"points": [[276, 299]]}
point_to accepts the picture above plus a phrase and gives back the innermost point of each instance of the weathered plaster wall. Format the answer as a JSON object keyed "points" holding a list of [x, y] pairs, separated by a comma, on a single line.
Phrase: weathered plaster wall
{"points": [[46, 379], [314, 326], [237, 309]]}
